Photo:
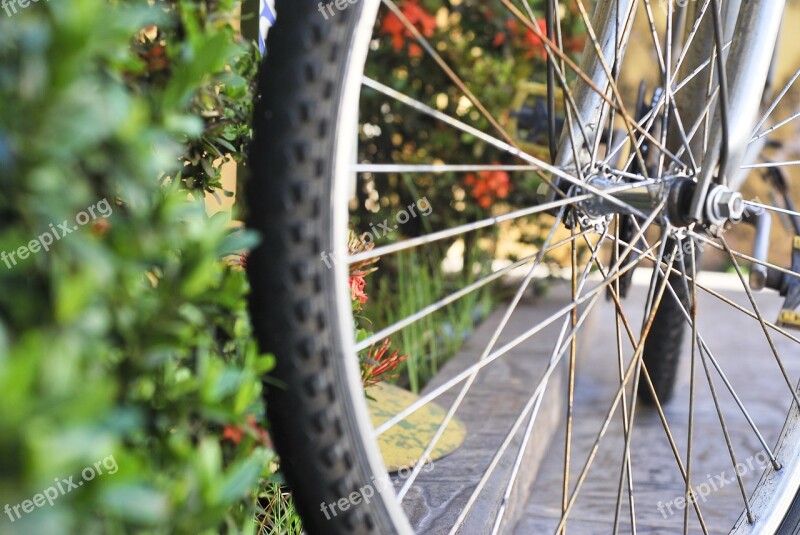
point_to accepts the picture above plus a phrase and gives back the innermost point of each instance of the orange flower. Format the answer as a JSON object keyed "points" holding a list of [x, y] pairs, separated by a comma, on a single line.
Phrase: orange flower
{"points": [[488, 186], [235, 433], [232, 433], [529, 40], [418, 17], [377, 367], [534, 42], [357, 285], [101, 227]]}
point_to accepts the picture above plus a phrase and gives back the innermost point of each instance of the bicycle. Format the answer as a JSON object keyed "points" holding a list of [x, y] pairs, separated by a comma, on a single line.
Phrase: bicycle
{"points": [[622, 167]]}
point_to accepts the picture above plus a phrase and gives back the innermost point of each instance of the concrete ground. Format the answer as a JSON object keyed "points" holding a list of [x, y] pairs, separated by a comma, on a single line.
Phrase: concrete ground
{"points": [[741, 348], [489, 411]]}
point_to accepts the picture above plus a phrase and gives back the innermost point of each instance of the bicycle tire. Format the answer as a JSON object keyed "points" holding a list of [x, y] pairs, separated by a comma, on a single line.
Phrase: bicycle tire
{"points": [[664, 345], [314, 426]]}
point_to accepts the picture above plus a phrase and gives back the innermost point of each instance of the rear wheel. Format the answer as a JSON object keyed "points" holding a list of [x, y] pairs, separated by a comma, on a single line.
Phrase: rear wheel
{"points": [[665, 344], [307, 126]]}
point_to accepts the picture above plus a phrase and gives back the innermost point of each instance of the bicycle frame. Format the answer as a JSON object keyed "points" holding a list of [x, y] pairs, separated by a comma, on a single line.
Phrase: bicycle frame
{"points": [[748, 66]]}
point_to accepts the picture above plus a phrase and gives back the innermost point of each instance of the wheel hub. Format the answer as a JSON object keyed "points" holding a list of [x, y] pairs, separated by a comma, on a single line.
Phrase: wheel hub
{"points": [[676, 193]]}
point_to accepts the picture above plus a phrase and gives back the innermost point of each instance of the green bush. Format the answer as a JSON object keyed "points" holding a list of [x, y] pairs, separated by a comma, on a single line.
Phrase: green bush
{"points": [[124, 347]]}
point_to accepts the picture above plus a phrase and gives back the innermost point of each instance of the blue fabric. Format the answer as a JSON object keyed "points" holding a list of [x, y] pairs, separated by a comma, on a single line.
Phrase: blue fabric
{"points": [[266, 19]]}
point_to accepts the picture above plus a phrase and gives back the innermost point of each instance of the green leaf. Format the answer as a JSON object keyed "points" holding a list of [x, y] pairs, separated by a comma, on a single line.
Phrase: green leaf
{"points": [[241, 478]]}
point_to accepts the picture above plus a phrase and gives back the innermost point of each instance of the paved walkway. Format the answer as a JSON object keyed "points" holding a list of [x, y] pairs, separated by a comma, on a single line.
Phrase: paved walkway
{"points": [[489, 410], [741, 348]]}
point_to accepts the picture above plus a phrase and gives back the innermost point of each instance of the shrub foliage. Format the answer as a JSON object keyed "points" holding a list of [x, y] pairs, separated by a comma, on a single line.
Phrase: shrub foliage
{"points": [[128, 340]]}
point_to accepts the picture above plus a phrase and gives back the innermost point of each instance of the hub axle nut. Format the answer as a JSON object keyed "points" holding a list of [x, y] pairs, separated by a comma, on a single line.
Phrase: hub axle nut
{"points": [[724, 205]]}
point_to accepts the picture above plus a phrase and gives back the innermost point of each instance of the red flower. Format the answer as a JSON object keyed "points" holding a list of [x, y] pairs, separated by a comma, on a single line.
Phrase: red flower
{"points": [[101, 227], [232, 433], [235, 433], [357, 285], [529, 40], [377, 366], [534, 42], [418, 17], [488, 186]]}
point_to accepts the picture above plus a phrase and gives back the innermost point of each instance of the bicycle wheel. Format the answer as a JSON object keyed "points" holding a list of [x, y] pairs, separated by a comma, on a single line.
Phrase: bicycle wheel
{"points": [[313, 154]]}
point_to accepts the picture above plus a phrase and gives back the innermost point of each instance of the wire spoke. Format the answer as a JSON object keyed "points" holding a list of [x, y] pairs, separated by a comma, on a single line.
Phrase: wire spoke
{"points": [[776, 127], [689, 493], [569, 322], [743, 256], [619, 107], [534, 402], [712, 388], [437, 168], [477, 225], [494, 141], [642, 368], [704, 348], [402, 415], [772, 208], [767, 165], [626, 472], [775, 103], [487, 350], [423, 42], [636, 363], [435, 307], [573, 320], [649, 118], [757, 310], [559, 72]]}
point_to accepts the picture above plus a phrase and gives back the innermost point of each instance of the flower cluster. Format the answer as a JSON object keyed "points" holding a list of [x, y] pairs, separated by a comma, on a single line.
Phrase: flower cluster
{"points": [[358, 271], [417, 16], [379, 364], [486, 187], [525, 38], [357, 286]]}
